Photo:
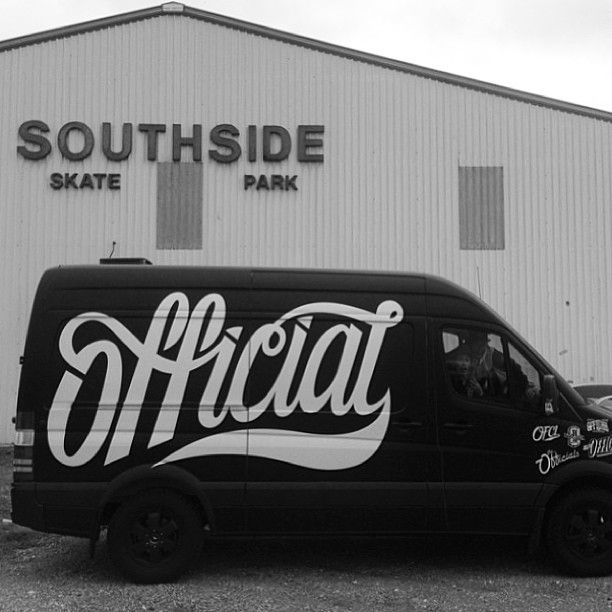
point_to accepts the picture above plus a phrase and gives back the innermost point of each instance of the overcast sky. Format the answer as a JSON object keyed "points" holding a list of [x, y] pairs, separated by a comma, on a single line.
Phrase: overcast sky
{"points": [[556, 48]]}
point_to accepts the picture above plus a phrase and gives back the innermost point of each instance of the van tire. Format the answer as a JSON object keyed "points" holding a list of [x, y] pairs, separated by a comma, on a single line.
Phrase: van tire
{"points": [[579, 532], [155, 536]]}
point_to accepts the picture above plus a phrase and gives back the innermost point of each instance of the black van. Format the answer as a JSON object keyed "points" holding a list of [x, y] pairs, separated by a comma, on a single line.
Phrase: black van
{"points": [[175, 404]]}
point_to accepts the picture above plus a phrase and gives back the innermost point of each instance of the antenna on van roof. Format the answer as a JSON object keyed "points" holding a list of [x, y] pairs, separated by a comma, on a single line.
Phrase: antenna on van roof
{"points": [[478, 276], [112, 250]]}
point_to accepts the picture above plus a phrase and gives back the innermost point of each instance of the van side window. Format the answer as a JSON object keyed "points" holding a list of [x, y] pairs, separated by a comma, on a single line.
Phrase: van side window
{"points": [[475, 363], [526, 384]]}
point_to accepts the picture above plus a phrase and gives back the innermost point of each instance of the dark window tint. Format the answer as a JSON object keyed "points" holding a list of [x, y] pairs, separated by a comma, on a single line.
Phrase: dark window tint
{"points": [[525, 378]]}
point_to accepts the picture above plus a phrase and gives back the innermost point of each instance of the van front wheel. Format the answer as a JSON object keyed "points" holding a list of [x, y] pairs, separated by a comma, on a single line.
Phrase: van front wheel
{"points": [[579, 532], [155, 536]]}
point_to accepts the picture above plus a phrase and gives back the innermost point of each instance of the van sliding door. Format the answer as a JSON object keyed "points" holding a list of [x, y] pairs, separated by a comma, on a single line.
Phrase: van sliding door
{"points": [[340, 438]]}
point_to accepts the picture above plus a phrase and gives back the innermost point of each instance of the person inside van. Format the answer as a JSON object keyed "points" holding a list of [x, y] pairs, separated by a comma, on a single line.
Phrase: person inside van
{"points": [[461, 369], [489, 365]]}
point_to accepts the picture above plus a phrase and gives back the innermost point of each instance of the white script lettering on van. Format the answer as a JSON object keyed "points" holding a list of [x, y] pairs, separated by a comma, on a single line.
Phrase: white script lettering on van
{"points": [[551, 459], [545, 433], [198, 338]]}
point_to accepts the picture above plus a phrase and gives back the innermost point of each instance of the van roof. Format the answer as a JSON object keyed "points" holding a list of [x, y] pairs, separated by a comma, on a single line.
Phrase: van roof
{"points": [[450, 301]]}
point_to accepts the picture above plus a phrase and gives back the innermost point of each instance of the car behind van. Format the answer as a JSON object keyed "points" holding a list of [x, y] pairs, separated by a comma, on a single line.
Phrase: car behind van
{"points": [[171, 405]]}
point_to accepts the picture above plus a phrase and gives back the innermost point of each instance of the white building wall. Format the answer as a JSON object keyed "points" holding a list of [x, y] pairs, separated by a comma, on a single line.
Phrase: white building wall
{"points": [[385, 197]]}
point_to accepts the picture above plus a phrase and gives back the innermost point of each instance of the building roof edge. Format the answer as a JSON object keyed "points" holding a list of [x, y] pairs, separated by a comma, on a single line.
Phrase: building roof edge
{"points": [[175, 8]]}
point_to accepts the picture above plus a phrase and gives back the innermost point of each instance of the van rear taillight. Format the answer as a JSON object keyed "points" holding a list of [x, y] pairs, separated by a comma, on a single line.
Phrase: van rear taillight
{"points": [[23, 454]]}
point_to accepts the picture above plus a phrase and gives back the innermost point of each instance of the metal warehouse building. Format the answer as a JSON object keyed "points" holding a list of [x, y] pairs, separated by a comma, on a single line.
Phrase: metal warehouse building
{"points": [[187, 137]]}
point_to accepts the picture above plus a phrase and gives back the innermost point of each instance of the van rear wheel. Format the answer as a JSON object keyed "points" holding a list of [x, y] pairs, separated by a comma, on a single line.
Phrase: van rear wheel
{"points": [[155, 536], [579, 532]]}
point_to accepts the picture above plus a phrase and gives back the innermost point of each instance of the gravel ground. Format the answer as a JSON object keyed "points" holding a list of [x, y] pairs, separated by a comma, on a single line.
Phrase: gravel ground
{"points": [[47, 572]]}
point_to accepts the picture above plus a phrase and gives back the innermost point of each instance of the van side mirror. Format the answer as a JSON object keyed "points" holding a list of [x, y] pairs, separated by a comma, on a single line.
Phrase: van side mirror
{"points": [[550, 395]]}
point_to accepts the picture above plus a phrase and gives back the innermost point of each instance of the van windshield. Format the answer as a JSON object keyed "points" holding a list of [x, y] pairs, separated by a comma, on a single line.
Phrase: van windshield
{"points": [[569, 392]]}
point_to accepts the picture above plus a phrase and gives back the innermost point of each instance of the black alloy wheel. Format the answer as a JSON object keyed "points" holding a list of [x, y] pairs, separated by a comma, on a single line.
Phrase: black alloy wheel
{"points": [[155, 536], [579, 533], [588, 533]]}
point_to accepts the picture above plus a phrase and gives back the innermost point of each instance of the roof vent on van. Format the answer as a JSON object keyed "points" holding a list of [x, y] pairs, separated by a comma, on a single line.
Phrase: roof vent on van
{"points": [[130, 261]]}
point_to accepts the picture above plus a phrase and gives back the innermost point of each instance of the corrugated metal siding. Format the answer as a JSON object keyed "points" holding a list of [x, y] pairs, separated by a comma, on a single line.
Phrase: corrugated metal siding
{"points": [[386, 196]]}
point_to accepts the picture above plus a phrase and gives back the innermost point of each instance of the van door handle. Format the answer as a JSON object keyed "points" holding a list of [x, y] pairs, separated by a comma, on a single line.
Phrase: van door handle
{"points": [[410, 425], [458, 426]]}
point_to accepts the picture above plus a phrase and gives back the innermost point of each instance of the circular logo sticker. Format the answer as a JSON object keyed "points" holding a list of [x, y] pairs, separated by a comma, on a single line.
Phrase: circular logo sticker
{"points": [[574, 437]]}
